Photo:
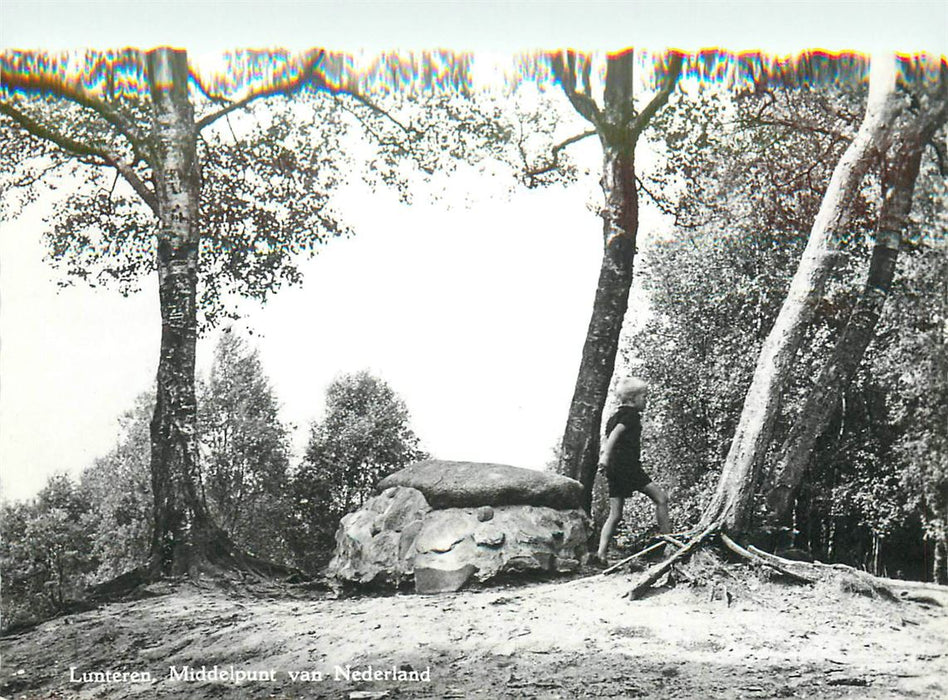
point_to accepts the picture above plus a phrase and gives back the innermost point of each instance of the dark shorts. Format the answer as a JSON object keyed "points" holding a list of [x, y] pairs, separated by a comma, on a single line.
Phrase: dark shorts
{"points": [[626, 479]]}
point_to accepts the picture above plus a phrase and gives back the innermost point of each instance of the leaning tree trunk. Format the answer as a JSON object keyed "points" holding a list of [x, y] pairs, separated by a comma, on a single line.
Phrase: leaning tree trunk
{"points": [[183, 531], [620, 225], [618, 128], [899, 174], [732, 504]]}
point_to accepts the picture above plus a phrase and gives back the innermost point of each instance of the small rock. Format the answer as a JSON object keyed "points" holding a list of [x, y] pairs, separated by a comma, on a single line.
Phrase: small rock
{"points": [[489, 536], [485, 513]]}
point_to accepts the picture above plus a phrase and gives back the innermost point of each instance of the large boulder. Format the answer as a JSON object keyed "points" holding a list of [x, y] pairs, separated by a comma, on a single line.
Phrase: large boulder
{"points": [[472, 484], [396, 536], [376, 544]]}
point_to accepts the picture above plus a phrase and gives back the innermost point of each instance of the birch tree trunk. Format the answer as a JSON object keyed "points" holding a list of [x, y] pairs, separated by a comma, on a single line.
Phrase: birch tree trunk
{"points": [[183, 531], [899, 174], [733, 502], [618, 128]]}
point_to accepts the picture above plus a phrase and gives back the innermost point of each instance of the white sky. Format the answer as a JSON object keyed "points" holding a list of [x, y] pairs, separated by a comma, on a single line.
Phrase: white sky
{"points": [[476, 316]]}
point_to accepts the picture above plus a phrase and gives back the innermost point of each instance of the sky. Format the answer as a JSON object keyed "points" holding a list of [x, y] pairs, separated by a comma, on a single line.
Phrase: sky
{"points": [[475, 314]]}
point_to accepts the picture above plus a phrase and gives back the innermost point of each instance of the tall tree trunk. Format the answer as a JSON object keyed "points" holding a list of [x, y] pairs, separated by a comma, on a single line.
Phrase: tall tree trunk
{"points": [[733, 502], [899, 174], [182, 527], [618, 128], [620, 226]]}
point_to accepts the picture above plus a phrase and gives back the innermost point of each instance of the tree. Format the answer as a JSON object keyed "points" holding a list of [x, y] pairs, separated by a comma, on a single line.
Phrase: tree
{"points": [[901, 167], [732, 505], [199, 206], [866, 435], [742, 181], [118, 486], [151, 140], [756, 166], [364, 436], [920, 407], [46, 552], [244, 450], [618, 126]]}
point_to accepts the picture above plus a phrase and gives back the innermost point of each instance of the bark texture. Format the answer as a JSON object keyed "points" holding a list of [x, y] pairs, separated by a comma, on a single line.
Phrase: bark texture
{"points": [[733, 501], [900, 171], [618, 128], [183, 529]]}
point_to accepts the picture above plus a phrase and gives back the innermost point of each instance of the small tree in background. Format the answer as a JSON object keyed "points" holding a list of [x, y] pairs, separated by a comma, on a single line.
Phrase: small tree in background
{"points": [[244, 450], [118, 487], [46, 553], [364, 436]]}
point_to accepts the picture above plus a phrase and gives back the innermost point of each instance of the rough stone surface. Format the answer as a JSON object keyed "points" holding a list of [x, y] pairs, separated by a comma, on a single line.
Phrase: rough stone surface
{"points": [[472, 484], [442, 580], [396, 535], [376, 544]]}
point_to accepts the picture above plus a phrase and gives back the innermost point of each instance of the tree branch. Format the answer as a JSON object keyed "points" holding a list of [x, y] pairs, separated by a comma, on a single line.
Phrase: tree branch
{"points": [[409, 130], [132, 178], [554, 161], [307, 75], [660, 98], [73, 147], [941, 157], [564, 70], [797, 126], [662, 207], [45, 84], [653, 574], [82, 150]]}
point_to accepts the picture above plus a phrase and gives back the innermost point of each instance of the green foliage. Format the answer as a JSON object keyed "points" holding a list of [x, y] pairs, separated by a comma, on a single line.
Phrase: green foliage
{"points": [[268, 174], [266, 198], [364, 436], [911, 356], [748, 177], [71, 536], [46, 554], [118, 486], [878, 479], [748, 185], [244, 450]]}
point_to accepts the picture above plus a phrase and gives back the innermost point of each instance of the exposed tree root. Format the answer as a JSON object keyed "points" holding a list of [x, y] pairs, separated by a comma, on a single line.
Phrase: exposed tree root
{"points": [[758, 560], [848, 578], [656, 572], [641, 553], [220, 564]]}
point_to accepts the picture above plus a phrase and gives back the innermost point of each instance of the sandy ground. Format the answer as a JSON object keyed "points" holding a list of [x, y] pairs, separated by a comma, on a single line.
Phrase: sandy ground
{"points": [[578, 638]]}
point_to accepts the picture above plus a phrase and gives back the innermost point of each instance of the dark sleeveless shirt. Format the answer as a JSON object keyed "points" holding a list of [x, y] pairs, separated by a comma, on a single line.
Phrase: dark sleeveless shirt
{"points": [[629, 447]]}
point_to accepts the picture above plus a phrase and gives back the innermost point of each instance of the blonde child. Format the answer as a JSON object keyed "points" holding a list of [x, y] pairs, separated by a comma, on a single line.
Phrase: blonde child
{"points": [[622, 463]]}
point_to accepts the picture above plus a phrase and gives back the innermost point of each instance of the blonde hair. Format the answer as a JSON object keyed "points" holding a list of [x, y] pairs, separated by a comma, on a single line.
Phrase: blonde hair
{"points": [[628, 388]]}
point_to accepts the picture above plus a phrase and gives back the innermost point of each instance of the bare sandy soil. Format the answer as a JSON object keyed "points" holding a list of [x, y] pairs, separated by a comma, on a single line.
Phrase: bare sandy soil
{"points": [[571, 639]]}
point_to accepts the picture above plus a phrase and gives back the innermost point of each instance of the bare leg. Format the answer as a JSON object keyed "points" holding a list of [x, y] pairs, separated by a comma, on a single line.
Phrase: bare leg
{"points": [[658, 495], [609, 527]]}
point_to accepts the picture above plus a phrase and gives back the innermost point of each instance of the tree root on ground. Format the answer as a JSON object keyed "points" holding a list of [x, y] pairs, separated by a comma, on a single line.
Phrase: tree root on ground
{"points": [[758, 560], [656, 572], [222, 565], [809, 573]]}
